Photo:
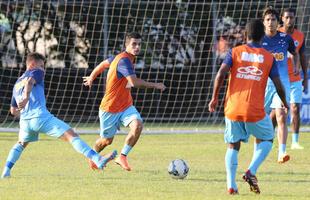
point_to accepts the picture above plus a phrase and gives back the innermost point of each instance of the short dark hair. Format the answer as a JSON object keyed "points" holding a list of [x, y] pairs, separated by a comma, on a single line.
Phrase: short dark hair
{"points": [[255, 30], [290, 10], [134, 35], [35, 56], [270, 11]]}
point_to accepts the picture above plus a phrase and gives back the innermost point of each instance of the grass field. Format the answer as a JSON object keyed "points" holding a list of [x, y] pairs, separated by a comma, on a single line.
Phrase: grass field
{"points": [[51, 169]]}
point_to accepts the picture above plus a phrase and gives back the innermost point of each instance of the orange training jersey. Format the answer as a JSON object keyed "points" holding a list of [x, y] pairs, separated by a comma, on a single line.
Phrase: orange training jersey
{"points": [[117, 96], [298, 38], [248, 77]]}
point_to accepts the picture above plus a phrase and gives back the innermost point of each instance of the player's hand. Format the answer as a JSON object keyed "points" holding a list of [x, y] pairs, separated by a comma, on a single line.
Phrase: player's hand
{"points": [[285, 106], [305, 85], [296, 70], [87, 81], [160, 86], [22, 104], [212, 105]]}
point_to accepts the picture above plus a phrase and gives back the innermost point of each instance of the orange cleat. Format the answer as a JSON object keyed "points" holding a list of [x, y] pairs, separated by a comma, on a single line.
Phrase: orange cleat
{"points": [[283, 158], [92, 165], [232, 191], [122, 161]]}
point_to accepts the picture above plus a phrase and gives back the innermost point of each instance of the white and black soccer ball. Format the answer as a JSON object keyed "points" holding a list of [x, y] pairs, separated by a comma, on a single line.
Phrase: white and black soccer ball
{"points": [[178, 169]]}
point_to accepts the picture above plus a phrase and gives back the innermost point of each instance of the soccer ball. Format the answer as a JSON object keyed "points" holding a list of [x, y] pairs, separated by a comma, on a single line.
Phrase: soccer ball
{"points": [[178, 169]]}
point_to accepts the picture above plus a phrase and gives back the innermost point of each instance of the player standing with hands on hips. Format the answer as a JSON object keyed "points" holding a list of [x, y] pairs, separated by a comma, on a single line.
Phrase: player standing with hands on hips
{"points": [[249, 65], [117, 105]]}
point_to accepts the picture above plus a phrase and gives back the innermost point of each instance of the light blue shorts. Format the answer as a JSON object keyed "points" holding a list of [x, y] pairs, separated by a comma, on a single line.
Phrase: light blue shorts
{"points": [[50, 125], [240, 131], [272, 99], [296, 92], [110, 122]]}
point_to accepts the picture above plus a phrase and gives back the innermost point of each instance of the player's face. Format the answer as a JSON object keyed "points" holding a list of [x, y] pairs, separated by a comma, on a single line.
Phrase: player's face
{"points": [[270, 23], [133, 46], [288, 19]]}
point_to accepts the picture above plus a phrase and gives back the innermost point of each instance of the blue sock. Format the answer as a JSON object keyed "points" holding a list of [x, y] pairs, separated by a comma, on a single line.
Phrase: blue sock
{"points": [[13, 156], [295, 137], [282, 149], [83, 148], [126, 149], [261, 152], [231, 162]]}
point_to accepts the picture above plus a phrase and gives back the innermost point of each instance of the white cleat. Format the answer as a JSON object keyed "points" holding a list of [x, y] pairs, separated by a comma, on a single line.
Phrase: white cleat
{"points": [[6, 174], [296, 145]]}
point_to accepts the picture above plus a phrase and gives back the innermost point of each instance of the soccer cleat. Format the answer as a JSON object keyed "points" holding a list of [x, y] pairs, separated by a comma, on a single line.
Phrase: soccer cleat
{"points": [[232, 191], [122, 161], [296, 145], [283, 158], [6, 174], [252, 181], [92, 165], [106, 158]]}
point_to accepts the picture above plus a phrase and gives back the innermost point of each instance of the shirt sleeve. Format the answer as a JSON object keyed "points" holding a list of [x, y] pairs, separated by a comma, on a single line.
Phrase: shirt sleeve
{"points": [[13, 102], [302, 48], [274, 70], [228, 59], [37, 74], [291, 45], [125, 68], [110, 59]]}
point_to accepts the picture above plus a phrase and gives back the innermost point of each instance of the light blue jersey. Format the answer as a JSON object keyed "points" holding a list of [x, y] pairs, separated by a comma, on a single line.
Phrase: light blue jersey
{"points": [[36, 106], [35, 118], [279, 45]]}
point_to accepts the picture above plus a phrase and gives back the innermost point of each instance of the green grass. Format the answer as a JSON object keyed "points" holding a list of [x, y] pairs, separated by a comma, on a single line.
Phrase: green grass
{"points": [[51, 169]]}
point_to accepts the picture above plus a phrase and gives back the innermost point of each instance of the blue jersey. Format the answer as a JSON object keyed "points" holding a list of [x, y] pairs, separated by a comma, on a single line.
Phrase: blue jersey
{"points": [[36, 106], [279, 45]]}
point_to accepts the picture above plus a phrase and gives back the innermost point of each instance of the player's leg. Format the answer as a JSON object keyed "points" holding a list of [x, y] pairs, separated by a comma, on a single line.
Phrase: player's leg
{"points": [[295, 110], [131, 118], [12, 158], [295, 100], [231, 164], [282, 132], [234, 133], [57, 128], [273, 118], [26, 135], [264, 133]]}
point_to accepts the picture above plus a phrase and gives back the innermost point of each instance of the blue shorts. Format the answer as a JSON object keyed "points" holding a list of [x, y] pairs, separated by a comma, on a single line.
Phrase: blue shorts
{"points": [[240, 131], [296, 92], [272, 99], [50, 125], [110, 122]]}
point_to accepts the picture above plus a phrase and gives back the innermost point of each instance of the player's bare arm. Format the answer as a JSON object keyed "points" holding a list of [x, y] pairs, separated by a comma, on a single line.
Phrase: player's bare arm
{"points": [[280, 90], [139, 83], [26, 93], [295, 62], [218, 82], [303, 63], [88, 80]]}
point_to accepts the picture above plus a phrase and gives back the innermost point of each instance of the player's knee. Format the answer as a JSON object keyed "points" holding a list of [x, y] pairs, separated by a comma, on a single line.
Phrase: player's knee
{"points": [[294, 109], [24, 144], [104, 141], [136, 126]]}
